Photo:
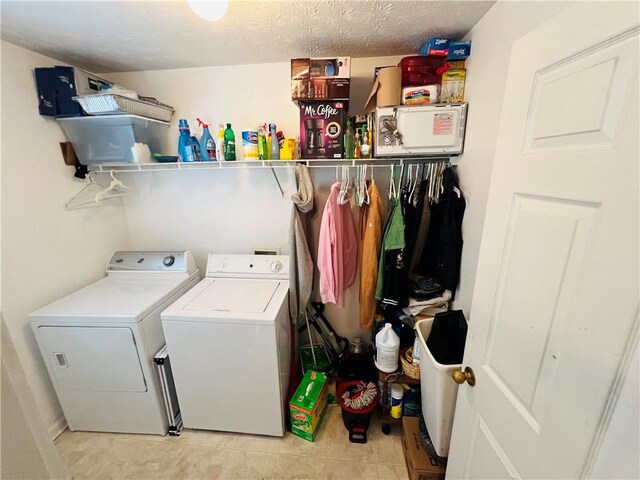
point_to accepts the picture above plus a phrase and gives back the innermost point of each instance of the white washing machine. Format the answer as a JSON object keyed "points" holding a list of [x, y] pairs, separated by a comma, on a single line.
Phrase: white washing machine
{"points": [[98, 343], [228, 339]]}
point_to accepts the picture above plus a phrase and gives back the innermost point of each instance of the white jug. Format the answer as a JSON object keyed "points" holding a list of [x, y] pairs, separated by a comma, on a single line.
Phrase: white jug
{"points": [[387, 349]]}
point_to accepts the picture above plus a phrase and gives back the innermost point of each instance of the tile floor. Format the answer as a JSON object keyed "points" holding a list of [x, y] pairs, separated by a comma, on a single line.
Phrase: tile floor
{"points": [[214, 455]]}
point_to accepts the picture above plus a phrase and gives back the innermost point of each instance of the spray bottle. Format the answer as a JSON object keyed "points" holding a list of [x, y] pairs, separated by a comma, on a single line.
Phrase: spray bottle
{"points": [[220, 143], [207, 145], [349, 140]]}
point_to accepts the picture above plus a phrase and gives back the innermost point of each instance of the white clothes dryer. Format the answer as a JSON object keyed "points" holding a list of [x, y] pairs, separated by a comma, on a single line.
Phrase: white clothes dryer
{"points": [[228, 339], [98, 343]]}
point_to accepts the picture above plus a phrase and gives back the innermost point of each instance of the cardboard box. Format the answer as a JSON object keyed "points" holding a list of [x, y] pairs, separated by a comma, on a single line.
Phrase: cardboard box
{"points": [[58, 85], [420, 466], [435, 47], [452, 89], [308, 405], [327, 78], [322, 129], [459, 50], [46, 86]]}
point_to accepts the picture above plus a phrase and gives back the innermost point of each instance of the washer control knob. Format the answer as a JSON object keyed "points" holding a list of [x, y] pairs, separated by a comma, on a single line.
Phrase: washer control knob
{"points": [[276, 266], [169, 260]]}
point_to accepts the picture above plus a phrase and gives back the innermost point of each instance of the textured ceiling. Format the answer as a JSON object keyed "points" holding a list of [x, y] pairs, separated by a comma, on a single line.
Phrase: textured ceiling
{"points": [[110, 36]]}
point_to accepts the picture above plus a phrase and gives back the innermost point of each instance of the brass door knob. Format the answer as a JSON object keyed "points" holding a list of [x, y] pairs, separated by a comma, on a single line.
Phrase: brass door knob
{"points": [[467, 376]]}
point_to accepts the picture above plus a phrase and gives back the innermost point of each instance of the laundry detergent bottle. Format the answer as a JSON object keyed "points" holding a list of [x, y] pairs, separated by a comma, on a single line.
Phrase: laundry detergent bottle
{"points": [[185, 147], [387, 349], [207, 145]]}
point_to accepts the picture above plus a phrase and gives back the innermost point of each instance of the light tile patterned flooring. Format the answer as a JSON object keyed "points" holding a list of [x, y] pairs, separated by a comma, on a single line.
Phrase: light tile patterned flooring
{"points": [[214, 455]]}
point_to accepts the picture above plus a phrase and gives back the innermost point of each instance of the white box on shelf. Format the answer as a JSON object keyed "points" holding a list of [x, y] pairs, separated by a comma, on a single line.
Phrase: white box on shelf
{"points": [[420, 130], [109, 138]]}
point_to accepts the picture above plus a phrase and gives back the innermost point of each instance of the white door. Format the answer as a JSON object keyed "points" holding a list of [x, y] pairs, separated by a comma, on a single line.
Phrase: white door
{"points": [[92, 358], [554, 321]]}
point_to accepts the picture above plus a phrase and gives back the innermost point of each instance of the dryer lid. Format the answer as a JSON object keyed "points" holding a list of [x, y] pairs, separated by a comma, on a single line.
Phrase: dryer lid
{"points": [[126, 299]]}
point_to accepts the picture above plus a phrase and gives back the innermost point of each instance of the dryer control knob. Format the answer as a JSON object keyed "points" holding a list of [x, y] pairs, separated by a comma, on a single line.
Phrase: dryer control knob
{"points": [[168, 260], [276, 266]]}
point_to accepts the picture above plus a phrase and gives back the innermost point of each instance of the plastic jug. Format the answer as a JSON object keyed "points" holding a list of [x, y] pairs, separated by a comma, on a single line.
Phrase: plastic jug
{"points": [[387, 349], [185, 147], [275, 145]]}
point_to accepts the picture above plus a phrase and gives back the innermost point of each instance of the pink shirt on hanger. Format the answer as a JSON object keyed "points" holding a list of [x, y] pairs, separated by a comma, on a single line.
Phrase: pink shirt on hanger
{"points": [[337, 249]]}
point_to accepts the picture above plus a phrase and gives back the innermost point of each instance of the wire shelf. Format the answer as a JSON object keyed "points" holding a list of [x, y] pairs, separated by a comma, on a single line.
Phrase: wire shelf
{"points": [[260, 164]]}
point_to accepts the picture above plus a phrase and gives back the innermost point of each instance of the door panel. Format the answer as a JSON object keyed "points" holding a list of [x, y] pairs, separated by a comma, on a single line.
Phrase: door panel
{"points": [[556, 293], [488, 459], [93, 358], [522, 352], [576, 103]]}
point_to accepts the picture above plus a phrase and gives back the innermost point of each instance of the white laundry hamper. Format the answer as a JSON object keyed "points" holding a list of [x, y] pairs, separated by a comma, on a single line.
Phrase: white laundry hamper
{"points": [[438, 392]]}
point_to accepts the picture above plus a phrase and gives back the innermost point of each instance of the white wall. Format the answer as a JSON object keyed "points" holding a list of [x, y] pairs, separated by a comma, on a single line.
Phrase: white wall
{"points": [[492, 38], [47, 252], [26, 447], [231, 211]]}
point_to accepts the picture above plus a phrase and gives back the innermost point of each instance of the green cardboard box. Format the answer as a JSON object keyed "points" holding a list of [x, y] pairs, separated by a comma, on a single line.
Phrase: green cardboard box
{"points": [[308, 405]]}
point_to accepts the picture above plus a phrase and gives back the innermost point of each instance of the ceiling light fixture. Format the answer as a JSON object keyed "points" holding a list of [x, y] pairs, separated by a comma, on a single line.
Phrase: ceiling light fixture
{"points": [[211, 10]]}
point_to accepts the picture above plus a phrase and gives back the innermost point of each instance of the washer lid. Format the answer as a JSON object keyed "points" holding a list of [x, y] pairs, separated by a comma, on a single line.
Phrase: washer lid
{"points": [[230, 300], [123, 299], [250, 296]]}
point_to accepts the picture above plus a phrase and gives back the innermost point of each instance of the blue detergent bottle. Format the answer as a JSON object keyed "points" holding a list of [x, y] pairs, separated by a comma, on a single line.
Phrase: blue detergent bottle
{"points": [[207, 145], [185, 147], [195, 144]]}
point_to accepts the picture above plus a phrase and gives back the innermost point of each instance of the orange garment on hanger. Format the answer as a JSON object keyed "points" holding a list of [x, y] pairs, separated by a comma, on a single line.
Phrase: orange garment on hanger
{"points": [[370, 237]]}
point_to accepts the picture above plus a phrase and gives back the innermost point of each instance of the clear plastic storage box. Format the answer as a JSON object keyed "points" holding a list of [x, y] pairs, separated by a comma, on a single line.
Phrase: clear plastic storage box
{"points": [[108, 139]]}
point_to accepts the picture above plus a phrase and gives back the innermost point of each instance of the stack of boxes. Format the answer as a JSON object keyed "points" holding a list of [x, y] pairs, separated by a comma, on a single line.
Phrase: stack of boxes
{"points": [[58, 85], [320, 87], [454, 74]]}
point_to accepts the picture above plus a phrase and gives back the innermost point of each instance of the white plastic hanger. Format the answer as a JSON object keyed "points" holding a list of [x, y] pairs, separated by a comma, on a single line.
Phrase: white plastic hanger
{"points": [[363, 181], [115, 189], [344, 186], [400, 180], [93, 194], [86, 196], [358, 186], [392, 184]]}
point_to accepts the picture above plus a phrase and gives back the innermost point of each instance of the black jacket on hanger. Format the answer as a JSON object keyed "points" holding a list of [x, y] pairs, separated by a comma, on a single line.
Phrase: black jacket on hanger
{"points": [[443, 250]]}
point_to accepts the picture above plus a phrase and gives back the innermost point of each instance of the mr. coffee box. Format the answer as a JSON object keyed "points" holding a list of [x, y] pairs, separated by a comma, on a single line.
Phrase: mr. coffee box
{"points": [[308, 405], [322, 129]]}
